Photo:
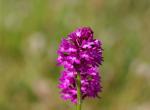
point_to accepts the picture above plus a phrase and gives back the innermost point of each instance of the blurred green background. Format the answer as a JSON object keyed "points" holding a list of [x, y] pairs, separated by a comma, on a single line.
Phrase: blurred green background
{"points": [[31, 30]]}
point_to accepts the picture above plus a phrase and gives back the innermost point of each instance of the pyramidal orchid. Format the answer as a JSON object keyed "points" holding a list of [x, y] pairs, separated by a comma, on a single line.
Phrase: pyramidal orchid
{"points": [[81, 55]]}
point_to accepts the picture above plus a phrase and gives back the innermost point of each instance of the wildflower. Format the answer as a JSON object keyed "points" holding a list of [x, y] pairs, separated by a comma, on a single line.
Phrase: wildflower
{"points": [[81, 54]]}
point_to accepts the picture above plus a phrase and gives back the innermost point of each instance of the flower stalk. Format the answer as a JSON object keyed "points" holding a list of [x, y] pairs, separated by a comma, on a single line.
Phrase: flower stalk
{"points": [[80, 55], [79, 99]]}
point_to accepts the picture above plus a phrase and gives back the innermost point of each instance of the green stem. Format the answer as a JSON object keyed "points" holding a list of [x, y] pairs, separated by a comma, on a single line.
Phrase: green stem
{"points": [[78, 82]]}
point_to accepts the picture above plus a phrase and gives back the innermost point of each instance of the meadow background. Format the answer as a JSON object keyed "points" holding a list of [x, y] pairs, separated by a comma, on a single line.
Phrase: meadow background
{"points": [[31, 30]]}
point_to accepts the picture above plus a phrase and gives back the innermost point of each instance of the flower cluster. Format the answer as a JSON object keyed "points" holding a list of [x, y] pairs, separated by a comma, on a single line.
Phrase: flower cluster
{"points": [[80, 53]]}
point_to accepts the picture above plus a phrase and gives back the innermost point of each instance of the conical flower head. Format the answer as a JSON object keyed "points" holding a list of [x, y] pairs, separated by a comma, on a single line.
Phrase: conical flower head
{"points": [[80, 53]]}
